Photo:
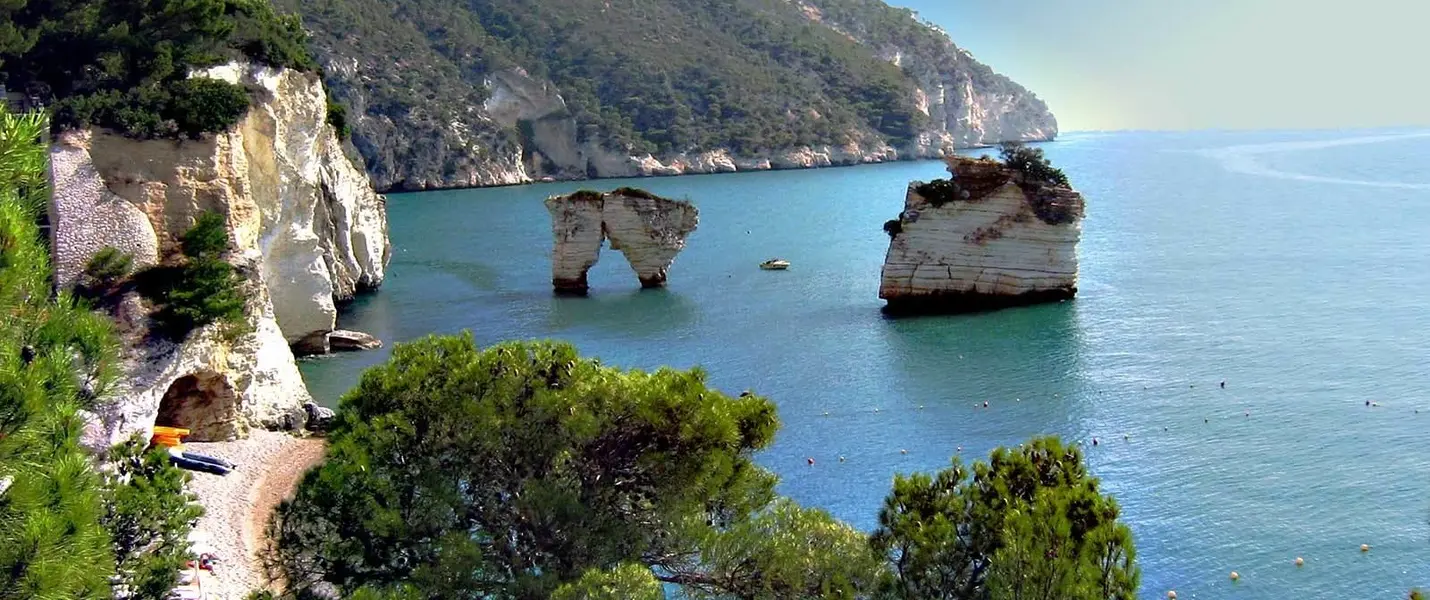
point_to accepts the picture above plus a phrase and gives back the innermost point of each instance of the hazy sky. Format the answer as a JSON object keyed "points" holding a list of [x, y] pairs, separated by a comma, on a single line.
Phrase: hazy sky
{"points": [[1193, 64]]}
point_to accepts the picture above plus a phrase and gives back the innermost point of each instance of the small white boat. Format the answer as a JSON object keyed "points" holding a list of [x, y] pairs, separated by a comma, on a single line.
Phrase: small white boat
{"points": [[775, 264]]}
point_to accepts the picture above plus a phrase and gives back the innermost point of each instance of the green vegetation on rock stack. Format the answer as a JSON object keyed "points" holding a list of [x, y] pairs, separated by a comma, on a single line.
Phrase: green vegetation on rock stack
{"points": [[125, 64]]}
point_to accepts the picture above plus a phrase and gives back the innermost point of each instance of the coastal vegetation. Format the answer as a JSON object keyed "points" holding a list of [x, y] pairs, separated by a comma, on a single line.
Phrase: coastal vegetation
{"points": [[586, 481], [126, 64], [672, 75], [197, 287], [63, 527]]}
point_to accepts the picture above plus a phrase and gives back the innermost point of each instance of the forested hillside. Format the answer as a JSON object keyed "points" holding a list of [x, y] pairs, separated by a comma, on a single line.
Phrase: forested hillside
{"points": [[475, 92]]}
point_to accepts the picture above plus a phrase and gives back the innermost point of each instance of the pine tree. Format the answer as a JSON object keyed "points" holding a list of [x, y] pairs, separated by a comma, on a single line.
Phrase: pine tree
{"points": [[54, 358], [149, 516]]}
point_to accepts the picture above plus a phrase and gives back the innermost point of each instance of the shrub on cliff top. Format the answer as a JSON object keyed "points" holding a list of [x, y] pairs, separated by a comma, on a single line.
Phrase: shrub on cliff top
{"points": [[1031, 163], [636, 193], [123, 64], [940, 191]]}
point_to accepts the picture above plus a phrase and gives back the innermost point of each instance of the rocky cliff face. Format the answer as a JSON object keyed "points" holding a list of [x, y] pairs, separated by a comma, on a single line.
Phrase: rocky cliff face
{"points": [[968, 104], [647, 229], [984, 239], [436, 109], [306, 230]]}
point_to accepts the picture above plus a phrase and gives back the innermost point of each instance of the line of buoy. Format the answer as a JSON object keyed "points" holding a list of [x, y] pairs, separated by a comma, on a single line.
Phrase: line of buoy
{"points": [[1365, 547], [1299, 561], [1235, 576]]}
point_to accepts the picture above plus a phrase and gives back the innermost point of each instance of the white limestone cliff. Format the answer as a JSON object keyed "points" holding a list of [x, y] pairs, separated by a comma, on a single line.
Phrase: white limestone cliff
{"points": [[990, 240], [647, 229], [306, 232]]}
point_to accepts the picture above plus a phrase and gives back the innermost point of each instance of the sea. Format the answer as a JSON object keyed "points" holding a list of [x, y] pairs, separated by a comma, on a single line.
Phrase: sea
{"points": [[1294, 266]]}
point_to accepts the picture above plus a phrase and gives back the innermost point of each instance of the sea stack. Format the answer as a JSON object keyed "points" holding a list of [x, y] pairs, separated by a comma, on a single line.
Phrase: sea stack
{"points": [[995, 234], [648, 229]]}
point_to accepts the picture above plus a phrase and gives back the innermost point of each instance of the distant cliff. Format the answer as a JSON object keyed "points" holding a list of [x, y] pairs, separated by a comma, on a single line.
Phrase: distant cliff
{"points": [[990, 236], [487, 92], [304, 228]]}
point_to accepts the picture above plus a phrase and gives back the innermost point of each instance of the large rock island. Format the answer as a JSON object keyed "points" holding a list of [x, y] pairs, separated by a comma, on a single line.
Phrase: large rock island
{"points": [[647, 229], [305, 231], [990, 236]]}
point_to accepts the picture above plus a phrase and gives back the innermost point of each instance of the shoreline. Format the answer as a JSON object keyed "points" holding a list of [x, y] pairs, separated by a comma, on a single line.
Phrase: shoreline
{"points": [[393, 190]]}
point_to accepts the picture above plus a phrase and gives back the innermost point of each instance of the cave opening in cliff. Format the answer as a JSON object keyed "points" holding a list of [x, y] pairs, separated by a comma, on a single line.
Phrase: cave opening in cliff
{"points": [[204, 403]]}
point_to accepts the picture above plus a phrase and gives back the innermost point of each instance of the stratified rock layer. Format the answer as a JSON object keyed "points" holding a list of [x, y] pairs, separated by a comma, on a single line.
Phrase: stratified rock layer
{"points": [[306, 229], [997, 241], [647, 229]]}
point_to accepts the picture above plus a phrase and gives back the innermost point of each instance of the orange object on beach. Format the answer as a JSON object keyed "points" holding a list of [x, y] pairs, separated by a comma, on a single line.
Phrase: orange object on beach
{"points": [[171, 437]]}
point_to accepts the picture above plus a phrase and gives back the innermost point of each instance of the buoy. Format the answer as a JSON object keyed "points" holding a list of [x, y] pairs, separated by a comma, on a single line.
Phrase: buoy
{"points": [[1206, 420], [921, 407], [1235, 576], [826, 413], [1094, 441], [1223, 385], [841, 459], [809, 460], [903, 451], [985, 404], [1171, 594], [1300, 561], [1365, 547], [876, 410], [1017, 399], [959, 449], [1248, 413]]}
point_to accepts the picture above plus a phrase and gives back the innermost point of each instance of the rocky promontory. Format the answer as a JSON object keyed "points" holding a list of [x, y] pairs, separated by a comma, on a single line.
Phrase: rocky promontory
{"points": [[305, 232], [990, 236], [648, 229]]}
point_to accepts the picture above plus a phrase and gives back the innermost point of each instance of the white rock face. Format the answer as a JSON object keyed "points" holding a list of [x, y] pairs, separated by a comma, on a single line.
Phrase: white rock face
{"points": [[305, 226], [1001, 246], [648, 230]]}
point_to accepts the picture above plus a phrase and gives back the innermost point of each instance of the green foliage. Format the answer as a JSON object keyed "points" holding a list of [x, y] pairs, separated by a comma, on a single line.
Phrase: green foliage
{"points": [[1416, 594], [635, 193], [200, 289], [1030, 523], [338, 118], [587, 196], [893, 227], [666, 76], [123, 64], [149, 515], [627, 581], [1031, 163], [783, 552], [103, 275], [54, 357], [509, 471], [940, 191], [202, 105]]}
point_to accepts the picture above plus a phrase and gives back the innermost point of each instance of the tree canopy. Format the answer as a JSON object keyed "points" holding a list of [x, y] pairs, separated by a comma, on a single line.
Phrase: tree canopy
{"points": [[54, 357], [510, 471], [1029, 524], [524, 470], [125, 64]]}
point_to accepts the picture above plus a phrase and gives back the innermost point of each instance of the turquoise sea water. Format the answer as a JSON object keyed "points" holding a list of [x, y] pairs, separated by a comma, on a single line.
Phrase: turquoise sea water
{"points": [[1295, 266]]}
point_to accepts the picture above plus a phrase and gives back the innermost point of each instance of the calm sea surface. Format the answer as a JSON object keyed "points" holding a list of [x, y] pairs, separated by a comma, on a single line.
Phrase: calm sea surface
{"points": [[1294, 266]]}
